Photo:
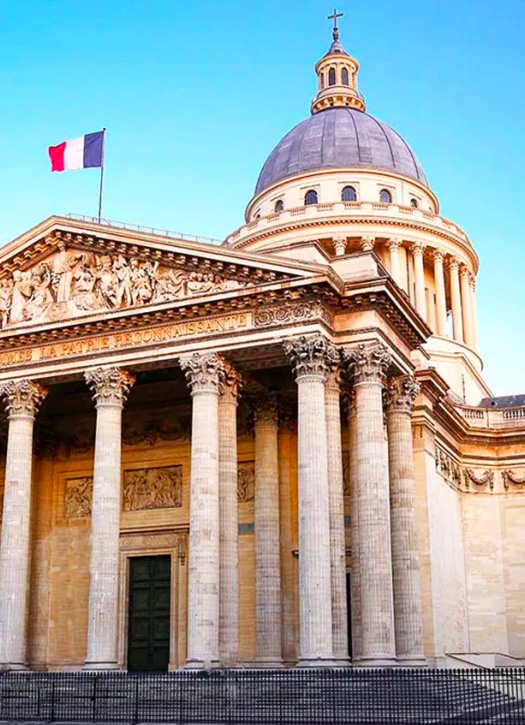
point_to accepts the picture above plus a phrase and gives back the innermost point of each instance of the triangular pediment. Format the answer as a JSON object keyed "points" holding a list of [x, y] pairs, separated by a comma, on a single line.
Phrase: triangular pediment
{"points": [[65, 269]]}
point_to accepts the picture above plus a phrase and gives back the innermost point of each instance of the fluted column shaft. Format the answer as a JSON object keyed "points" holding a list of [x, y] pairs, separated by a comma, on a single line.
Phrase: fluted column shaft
{"points": [[228, 519], [203, 375], [419, 273], [367, 366], [286, 452], [337, 518], [267, 543], [355, 589], [441, 303], [22, 399], [393, 245], [466, 302], [110, 387], [408, 615], [310, 358], [457, 323], [473, 310]]}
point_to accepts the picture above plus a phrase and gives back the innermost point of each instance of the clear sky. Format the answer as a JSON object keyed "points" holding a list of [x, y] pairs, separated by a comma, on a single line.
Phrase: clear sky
{"points": [[196, 94]]}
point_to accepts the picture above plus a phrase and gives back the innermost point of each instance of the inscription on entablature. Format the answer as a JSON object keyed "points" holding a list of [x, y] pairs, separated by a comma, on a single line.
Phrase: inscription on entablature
{"points": [[291, 312], [75, 282], [152, 488], [149, 336], [246, 481]]}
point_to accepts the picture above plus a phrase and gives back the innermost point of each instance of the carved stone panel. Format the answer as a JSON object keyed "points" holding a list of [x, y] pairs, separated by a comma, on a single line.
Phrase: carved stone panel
{"points": [[79, 493], [71, 282], [152, 488], [246, 481]]}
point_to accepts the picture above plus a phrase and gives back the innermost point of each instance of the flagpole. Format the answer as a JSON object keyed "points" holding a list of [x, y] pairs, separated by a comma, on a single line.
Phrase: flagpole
{"points": [[102, 175]]}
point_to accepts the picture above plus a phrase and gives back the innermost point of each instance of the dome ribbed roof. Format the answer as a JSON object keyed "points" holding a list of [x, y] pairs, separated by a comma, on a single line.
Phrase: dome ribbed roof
{"points": [[339, 137]]}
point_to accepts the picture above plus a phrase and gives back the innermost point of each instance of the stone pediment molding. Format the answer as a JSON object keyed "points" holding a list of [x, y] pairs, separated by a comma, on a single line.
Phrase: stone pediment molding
{"points": [[67, 275]]}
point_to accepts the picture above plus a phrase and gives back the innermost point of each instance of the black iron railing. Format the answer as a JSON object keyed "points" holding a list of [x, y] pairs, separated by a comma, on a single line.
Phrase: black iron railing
{"points": [[267, 697]]}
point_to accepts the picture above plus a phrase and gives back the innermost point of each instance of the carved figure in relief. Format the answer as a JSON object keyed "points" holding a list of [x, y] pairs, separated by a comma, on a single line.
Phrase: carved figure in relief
{"points": [[79, 492], [152, 488], [6, 296], [22, 290], [62, 273], [123, 281], [246, 482]]}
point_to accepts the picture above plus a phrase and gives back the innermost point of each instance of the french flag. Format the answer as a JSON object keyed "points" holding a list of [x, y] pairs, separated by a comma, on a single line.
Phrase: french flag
{"points": [[86, 152]]}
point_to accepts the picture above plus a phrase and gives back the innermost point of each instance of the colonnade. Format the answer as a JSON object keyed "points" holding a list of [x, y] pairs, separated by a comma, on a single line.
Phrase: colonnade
{"points": [[387, 626], [461, 283]]}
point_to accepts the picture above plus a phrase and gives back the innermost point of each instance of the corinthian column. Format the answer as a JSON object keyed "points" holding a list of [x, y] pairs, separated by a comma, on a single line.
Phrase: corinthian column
{"points": [[441, 303], [230, 383], [419, 273], [466, 306], [22, 398], [203, 372], [110, 387], [311, 358], [473, 310], [393, 245], [457, 323], [368, 365], [402, 392], [337, 517], [267, 542]]}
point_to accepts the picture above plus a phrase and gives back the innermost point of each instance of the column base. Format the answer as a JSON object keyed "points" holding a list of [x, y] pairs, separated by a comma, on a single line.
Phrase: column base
{"points": [[201, 664], [317, 662], [342, 662], [101, 666], [376, 662], [13, 667], [268, 663], [407, 661]]}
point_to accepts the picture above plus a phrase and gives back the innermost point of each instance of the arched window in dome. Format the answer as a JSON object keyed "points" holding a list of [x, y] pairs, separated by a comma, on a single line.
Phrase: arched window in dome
{"points": [[331, 77], [344, 77], [414, 203], [279, 205], [385, 196], [349, 194], [310, 197]]}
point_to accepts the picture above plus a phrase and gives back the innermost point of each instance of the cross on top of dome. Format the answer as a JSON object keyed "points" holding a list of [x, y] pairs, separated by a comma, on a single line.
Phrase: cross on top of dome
{"points": [[336, 46]]}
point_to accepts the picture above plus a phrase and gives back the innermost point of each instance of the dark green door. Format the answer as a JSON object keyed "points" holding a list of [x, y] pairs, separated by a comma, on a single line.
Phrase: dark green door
{"points": [[149, 613]]}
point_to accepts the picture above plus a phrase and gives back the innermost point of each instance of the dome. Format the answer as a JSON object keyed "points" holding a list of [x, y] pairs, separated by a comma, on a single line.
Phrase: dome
{"points": [[339, 137]]}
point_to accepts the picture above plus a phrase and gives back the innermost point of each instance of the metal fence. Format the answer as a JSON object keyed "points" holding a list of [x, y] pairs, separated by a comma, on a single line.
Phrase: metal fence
{"points": [[267, 697]]}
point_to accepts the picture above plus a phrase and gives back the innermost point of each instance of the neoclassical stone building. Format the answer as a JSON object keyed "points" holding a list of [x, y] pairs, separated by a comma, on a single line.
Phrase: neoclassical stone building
{"points": [[274, 450]]}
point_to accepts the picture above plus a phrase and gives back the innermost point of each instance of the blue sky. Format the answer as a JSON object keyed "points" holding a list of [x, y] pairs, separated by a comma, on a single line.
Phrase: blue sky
{"points": [[195, 95]]}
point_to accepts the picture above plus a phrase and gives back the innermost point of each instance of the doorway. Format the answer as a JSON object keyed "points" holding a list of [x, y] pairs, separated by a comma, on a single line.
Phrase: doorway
{"points": [[149, 613]]}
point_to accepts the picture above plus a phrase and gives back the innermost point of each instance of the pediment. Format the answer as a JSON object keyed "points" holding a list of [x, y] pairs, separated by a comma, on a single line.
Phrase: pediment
{"points": [[67, 271]]}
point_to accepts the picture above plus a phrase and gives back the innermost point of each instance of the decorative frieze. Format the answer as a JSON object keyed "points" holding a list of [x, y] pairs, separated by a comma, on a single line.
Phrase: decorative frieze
{"points": [[511, 477], [73, 282], [143, 489], [290, 312], [486, 478], [152, 488], [246, 481], [448, 467]]}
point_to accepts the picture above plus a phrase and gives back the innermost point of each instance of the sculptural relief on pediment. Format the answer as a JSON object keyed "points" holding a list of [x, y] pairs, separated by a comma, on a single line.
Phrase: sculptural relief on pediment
{"points": [[73, 282]]}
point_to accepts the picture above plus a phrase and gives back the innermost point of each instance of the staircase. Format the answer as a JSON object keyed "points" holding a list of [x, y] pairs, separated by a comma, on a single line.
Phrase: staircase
{"points": [[267, 697]]}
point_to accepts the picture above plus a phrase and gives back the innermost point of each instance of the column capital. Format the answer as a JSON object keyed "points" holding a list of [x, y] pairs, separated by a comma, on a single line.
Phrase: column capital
{"points": [[464, 271], [367, 243], [393, 244], [417, 249], [438, 255], [453, 263], [368, 363], [22, 398], [311, 355], [401, 394], [110, 386], [340, 242], [266, 410], [231, 381], [203, 371]]}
